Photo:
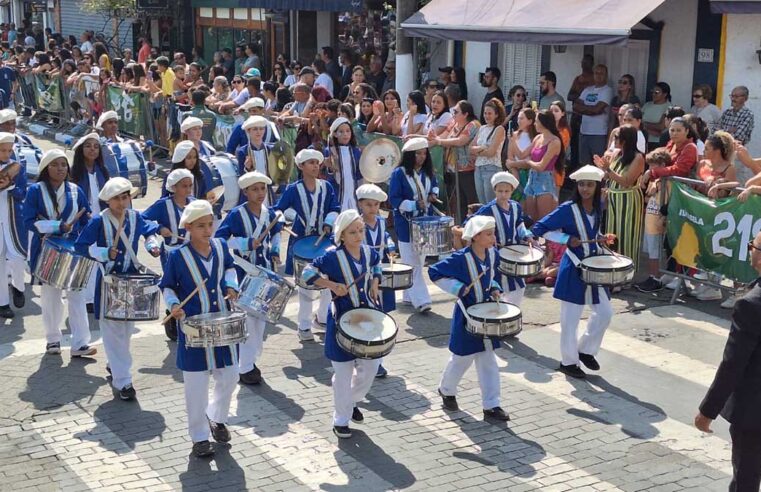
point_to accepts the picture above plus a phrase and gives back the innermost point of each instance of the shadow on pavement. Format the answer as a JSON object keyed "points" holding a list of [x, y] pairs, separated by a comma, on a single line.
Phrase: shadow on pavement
{"points": [[73, 383], [402, 396], [277, 399], [124, 420], [168, 365], [548, 364], [225, 475]]}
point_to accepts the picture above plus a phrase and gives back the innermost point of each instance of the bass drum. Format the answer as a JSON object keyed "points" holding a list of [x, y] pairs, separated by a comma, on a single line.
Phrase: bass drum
{"points": [[224, 172], [125, 159], [32, 156]]}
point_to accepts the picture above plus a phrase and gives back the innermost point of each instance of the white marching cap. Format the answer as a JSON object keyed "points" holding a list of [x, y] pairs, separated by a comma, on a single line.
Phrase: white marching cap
{"points": [[175, 177], [416, 143], [181, 151], [476, 224], [370, 191], [252, 102], [344, 220], [108, 115], [504, 177], [194, 211], [49, 157], [253, 177], [338, 122], [7, 115], [588, 173], [190, 122], [307, 154], [6, 137], [84, 139], [255, 122], [115, 187]]}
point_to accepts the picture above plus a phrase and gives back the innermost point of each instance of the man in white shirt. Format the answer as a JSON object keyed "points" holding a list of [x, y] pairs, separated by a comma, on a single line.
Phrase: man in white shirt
{"points": [[323, 78], [594, 105]]}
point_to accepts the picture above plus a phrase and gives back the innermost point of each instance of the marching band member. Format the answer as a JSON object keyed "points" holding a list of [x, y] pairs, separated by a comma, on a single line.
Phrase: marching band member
{"points": [[56, 207], [339, 270], [99, 241], [13, 238], [89, 172], [576, 223], [314, 203], [471, 274], [245, 230], [369, 197], [253, 156], [412, 189], [166, 212], [185, 156], [108, 123], [192, 127], [206, 258], [8, 124], [254, 106], [510, 228], [343, 156]]}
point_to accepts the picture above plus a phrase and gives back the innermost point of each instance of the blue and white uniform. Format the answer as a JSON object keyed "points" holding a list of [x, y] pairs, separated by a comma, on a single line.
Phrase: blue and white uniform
{"points": [[13, 239], [45, 211], [260, 157], [348, 176], [200, 186], [166, 213], [379, 238], [454, 274], [186, 268], [352, 377], [571, 220], [404, 193]]}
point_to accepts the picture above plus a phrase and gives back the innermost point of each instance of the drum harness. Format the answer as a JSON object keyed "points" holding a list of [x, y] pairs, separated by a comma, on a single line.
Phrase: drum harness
{"points": [[476, 283]]}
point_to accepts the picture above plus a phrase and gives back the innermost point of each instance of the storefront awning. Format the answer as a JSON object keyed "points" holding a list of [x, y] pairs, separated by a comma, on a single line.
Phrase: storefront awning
{"points": [[530, 21], [317, 5], [736, 6]]}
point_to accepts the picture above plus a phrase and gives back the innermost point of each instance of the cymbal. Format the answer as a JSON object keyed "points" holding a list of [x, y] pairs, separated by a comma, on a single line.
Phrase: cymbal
{"points": [[379, 159]]}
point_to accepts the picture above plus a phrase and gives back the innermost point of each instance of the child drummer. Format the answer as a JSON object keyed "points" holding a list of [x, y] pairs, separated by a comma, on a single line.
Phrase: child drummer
{"points": [[13, 237], [167, 212], [206, 264], [314, 202], [56, 207], [369, 198], [471, 274], [576, 223], [112, 238], [247, 230], [352, 273], [510, 228]]}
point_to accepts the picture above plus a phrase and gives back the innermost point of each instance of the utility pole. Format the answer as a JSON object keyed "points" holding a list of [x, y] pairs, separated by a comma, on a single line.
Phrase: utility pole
{"points": [[405, 69]]}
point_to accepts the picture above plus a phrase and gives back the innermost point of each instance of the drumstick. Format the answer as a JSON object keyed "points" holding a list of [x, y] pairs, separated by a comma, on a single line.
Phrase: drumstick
{"points": [[77, 217], [268, 229], [290, 232], [355, 281], [185, 301], [319, 238], [473, 283]]}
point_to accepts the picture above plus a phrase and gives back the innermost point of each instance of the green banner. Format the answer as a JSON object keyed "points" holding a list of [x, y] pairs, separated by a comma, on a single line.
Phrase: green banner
{"points": [[712, 235], [132, 110], [48, 92]]}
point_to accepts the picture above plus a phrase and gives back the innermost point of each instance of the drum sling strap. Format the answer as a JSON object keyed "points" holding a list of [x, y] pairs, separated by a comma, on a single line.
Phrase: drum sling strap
{"points": [[53, 212], [336, 151], [313, 221], [578, 218], [254, 233], [505, 224], [171, 209], [110, 235], [472, 265]]}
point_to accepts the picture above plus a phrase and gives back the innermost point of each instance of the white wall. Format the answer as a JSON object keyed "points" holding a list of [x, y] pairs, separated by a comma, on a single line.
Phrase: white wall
{"points": [[324, 31], [566, 67], [477, 58], [741, 67]]}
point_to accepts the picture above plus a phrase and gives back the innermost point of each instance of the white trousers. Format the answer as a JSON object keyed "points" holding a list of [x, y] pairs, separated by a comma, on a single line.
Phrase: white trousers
{"points": [[9, 265], [417, 294], [116, 337], [51, 299], [306, 299], [197, 402], [18, 270], [488, 375], [351, 382], [513, 297], [590, 341], [252, 348]]}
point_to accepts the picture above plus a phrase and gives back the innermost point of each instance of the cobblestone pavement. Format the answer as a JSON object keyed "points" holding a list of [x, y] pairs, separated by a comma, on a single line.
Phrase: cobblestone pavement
{"points": [[625, 428]]}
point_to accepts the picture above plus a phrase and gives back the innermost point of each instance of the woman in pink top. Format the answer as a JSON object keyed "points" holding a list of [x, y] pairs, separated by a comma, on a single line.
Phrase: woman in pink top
{"points": [[546, 158]]}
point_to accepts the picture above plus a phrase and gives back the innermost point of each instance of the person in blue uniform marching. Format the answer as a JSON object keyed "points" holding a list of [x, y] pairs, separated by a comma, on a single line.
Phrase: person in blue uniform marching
{"points": [[13, 238], [343, 155], [316, 208], [458, 274], [369, 199], [108, 123], [57, 208], [192, 128], [339, 270], [245, 229], [185, 156], [207, 264], [510, 229], [254, 106], [99, 241], [166, 212], [255, 154], [576, 223]]}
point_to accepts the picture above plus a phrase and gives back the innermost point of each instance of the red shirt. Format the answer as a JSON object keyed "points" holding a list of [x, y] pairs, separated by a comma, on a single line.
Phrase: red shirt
{"points": [[683, 159], [144, 53]]}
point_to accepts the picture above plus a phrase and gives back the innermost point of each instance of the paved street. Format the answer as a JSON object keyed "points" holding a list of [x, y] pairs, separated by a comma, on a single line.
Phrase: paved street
{"points": [[627, 428]]}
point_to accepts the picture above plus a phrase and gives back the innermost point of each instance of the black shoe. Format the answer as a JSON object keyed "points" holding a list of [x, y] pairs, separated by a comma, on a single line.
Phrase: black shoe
{"points": [[90, 307], [589, 361], [649, 285], [108, 370], [6, 312], [219, 431], [382, 372], [496, 413], [18, 297], [356, 416], [127, 393], [342, 431], [254, 376], [574, 371], [202, 449], [53, 348], [170, 329], [449, 402]]}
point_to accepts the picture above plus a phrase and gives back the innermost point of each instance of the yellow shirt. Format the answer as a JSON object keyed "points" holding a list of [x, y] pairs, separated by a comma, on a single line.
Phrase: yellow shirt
{"points": [[167, 82]]}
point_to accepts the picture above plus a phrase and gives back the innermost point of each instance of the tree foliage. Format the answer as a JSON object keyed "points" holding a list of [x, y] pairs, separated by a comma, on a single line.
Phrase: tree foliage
{"points": [[110, 7]]}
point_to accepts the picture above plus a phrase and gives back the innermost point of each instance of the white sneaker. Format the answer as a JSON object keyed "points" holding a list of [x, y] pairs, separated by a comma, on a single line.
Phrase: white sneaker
{"points": [[306, 335], [698, 290], [672, 285], [729, 303], [665, 278], [709, 294]]}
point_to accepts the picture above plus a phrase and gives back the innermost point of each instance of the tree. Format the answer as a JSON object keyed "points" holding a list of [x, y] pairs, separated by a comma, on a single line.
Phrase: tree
{"points": [[117, 12]]}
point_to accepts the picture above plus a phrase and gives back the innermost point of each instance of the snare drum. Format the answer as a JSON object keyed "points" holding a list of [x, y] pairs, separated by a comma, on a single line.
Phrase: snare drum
{"points": [[125, 159], [224, 172], [59, 265], [366, 333], [304, 251], [264, 294], [397, 276], [32, 157], [607, 270], [494, 319], [431, 235], [520, 260], [132, 296], [214, 329]]}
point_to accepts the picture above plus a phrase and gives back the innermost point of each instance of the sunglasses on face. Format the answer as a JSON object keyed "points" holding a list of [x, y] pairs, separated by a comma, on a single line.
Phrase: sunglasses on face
{"points": [[520, 95], [752, 246], [237, 81], [623, 82], [455, 111], [697, 96]]}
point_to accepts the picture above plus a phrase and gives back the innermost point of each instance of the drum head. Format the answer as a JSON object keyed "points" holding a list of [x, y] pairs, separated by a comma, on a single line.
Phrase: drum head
{"points": [[498, 311], [306, 249], [521, 253], [216, 318], [218, 192], [607, 262], [367, 325], [396, 267]]}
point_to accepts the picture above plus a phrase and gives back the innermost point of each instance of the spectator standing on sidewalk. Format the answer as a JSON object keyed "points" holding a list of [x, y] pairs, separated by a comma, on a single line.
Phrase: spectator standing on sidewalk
{"points": [[593, 104], [737, 120], [548, 94], [702, 107], [491, 82]]}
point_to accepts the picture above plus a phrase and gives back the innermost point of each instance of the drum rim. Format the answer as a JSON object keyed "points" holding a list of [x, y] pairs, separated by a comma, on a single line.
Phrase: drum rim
{"points": [[400, 272], [520, 262], [482, 319], [235, 316], [368, 343], [314, 237], [591, 268], [433, 219]]}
